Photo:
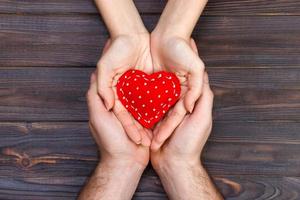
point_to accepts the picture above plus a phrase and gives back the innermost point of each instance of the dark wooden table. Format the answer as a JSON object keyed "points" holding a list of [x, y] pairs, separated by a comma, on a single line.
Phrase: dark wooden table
{"points": [[48, 49]]}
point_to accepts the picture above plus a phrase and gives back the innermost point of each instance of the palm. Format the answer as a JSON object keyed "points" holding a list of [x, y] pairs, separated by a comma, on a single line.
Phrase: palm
{"points": [[110, 135], [119, 55], [191, 134], [179, 56], [192, 144], [117, 143]]}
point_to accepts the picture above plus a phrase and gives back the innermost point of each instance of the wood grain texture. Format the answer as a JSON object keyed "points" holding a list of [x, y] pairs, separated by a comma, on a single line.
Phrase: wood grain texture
{"points": [[77, 40], [43, 149], [53, 160], [49, 48], [232, 188], [41, 94], [214, 7]]}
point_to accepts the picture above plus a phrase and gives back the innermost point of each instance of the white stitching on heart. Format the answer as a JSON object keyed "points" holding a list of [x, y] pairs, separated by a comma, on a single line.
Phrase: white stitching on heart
{"points": [[148, 92]]}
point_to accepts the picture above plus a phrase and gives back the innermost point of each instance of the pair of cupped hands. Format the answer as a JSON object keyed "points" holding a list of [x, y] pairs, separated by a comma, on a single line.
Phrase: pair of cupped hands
{"points": [[182, 133]]}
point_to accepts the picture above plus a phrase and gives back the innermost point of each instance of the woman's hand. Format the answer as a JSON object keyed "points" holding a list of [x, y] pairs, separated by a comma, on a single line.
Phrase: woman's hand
{"points": [[180, 56], [172, 49], [127, 48], [119, 55]]}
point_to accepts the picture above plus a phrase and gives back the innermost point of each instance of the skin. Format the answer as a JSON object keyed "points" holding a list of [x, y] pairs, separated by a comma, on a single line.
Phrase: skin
{"points": [[167, 48], [172, 49], [179, 138], [181, 152], [118, 153], [127, 48]]}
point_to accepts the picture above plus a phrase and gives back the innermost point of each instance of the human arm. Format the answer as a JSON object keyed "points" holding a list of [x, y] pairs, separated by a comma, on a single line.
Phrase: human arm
{"points": [[173, 50], [121, 17], [179, 18], [112, 180], [188, 181], [122, 161], [178, 162], [128, 47]]}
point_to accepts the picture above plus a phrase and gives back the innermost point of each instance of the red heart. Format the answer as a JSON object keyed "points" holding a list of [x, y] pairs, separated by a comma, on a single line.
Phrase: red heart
{"points": [[148, 97]]}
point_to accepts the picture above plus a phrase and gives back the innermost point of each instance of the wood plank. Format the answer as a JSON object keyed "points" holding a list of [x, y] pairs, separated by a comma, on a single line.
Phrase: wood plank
{"points": [[232, 188], [214, 7], [55, 94], [53, 160], [76, 41], [43, 149]]}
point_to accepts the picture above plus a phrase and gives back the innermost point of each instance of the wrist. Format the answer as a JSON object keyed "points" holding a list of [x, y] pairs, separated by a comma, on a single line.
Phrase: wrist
{"points": [[136, 41], [172, 166], [137, 35], [164, 34], [113, 179], [118, 165], [187, 180]]}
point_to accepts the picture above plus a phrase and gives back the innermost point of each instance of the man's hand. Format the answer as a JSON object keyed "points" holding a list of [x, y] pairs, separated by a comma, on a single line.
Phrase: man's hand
{"points": [[177, 161], [173, 50], [129, 47], [122, 161]]}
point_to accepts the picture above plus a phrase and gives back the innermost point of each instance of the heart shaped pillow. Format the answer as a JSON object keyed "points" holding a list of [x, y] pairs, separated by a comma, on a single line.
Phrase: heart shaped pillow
{"points": [[148, 97]]}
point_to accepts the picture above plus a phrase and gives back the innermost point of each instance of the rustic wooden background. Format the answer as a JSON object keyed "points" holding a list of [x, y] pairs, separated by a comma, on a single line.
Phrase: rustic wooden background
{"points": [[49, 48]]}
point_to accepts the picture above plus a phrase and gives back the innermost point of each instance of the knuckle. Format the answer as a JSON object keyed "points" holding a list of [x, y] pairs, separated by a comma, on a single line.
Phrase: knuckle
{"points": [[101, 91], [198, 66], [128, 125], [211, 94], [101, 65], [201, 64], [88, 94], [176, 114], [91, 126]]}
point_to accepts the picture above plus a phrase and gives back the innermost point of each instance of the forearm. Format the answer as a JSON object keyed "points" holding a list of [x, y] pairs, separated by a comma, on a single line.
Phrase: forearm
{"points": [[187, 181], [121, 17], [180, 17], [112, 181]]}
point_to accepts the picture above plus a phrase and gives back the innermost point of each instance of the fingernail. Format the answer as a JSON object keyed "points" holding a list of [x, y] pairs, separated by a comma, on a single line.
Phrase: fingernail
{"points": [[191, 108], [107, 105], [138, 142]]}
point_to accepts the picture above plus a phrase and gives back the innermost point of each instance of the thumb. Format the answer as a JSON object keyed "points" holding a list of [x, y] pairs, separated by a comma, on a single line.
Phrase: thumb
{"points": [[105, 78]]}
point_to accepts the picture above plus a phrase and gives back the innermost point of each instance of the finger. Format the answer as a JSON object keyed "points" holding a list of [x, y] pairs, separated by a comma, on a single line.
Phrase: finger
{"points": [[195, 81], [203, 109], [157, 128], [105, 79], [147, 64], [93, 100], [169, 125], [149, 133], [194, 46], [127, 122], [146, 141], [158, 125]]}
